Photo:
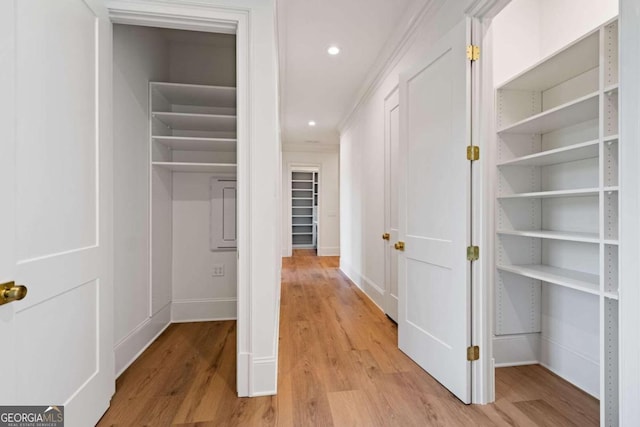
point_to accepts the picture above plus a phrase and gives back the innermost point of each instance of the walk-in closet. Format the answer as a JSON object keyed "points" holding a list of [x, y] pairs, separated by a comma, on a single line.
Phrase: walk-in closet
{"points": [[304, 208], [555, 281], [175, 191]]}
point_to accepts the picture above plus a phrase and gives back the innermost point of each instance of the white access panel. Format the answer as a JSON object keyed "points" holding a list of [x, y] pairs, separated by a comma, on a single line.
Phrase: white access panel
{"points": [[223, 214]]}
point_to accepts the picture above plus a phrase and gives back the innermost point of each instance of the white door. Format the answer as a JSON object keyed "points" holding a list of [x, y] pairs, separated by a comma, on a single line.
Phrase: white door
{"points": [[55, 188], [434, 274], [392, 141]]}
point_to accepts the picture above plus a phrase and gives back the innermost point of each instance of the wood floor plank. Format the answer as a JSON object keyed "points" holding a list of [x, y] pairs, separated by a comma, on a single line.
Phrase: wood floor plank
{"points": [[339, 365], [353, 408]]}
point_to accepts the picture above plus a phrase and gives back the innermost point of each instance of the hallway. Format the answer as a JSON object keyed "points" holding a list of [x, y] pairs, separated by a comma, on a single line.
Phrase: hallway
{"points": [[338, 365]]}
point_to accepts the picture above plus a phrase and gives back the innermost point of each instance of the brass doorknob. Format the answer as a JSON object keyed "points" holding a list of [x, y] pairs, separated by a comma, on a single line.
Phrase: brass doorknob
{"points": [[399, 246], [9, 292], [386, 236]]}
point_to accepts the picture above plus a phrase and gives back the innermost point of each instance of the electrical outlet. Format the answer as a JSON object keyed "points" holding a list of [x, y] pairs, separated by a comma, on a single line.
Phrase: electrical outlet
{"points": [[218, 270]]}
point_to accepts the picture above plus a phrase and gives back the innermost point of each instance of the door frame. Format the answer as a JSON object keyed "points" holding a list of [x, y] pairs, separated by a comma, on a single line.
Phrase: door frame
{"points": [[220, 19], [481, 13], [303, 167], [395, 91]]}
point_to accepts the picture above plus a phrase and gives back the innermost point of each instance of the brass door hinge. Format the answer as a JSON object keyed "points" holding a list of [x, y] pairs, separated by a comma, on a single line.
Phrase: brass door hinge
{"points": [[473, 353], [473, 253], [473, 152], [473, 52]]}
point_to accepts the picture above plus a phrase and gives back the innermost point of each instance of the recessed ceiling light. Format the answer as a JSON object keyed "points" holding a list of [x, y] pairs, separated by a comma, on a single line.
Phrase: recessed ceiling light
{"points": [[333, 50], [312, 123]]}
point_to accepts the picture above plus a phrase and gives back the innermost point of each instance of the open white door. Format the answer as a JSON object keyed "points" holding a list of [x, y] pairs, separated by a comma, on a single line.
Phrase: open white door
{"points": [[55, 189], [391, 172], [433, 271]]}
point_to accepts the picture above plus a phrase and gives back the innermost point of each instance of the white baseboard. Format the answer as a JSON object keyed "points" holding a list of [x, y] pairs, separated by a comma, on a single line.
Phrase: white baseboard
{"points": [[242, 379], [516, 350], [370, 289], [329, 251], [132, 346], [265, 378], [574, 367], [203, 310], [374, 292], [351, 275]]}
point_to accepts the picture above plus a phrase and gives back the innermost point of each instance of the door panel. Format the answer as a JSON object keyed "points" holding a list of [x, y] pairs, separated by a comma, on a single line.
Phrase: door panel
{"points": [[434, 287], [61, 198], [392, 140]]}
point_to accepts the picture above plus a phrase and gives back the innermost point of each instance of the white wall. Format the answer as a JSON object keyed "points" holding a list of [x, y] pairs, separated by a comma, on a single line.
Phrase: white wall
{"points": [[362, 161], [205, 63], [197, 294], [329, 215], [139, 55], [527, 31]]}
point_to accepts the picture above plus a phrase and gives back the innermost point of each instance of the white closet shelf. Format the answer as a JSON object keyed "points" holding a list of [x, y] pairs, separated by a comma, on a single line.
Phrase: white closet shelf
{"points": [[197, 167], [301, 180], [577, 280], [565, 115], [571, 153], [582, 192], [611, 189], [302, 216], [611, 89], [187, 143], [199, 95], [611, 138], [611, 295], [302, 234], [196, 121], [559, 67], [302, 198], [554, 235]]}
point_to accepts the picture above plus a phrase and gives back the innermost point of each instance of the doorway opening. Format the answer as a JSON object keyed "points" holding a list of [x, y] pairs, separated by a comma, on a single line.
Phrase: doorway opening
{"points": [[553, 277], [175, 188], [305, 220]]}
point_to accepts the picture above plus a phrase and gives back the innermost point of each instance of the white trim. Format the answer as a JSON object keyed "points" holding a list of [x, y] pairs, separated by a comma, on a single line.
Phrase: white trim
{"points": [[350, 275], [199, 309], [516, 350], [329, 251], [302, 167], [629, 157], [200, 16], [483, 372], [265, 383], [311, 147], [128, 349], [574, 365]]}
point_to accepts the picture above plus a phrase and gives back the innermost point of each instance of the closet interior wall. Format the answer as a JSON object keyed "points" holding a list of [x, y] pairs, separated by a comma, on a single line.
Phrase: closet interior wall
{"points": [[164, 262]]}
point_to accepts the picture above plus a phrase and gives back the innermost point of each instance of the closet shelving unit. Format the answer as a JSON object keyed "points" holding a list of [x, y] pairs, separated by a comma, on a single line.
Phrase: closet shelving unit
{"points": [[302, 208], [193, 127], [557, 212]]}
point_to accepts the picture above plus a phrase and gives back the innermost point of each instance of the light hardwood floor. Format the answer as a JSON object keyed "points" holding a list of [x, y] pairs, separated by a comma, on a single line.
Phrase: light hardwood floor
{"points": [[338, 366]]}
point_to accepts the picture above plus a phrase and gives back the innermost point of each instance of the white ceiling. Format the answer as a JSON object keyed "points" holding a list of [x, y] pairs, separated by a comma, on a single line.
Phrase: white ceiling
{"points": [[320, 87]]}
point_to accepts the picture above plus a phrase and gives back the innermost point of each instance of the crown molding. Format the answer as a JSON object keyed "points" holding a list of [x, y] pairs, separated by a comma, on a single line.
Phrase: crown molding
{"points": [[485, 9], [401, 40], [391, 54], [311, 148]]}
